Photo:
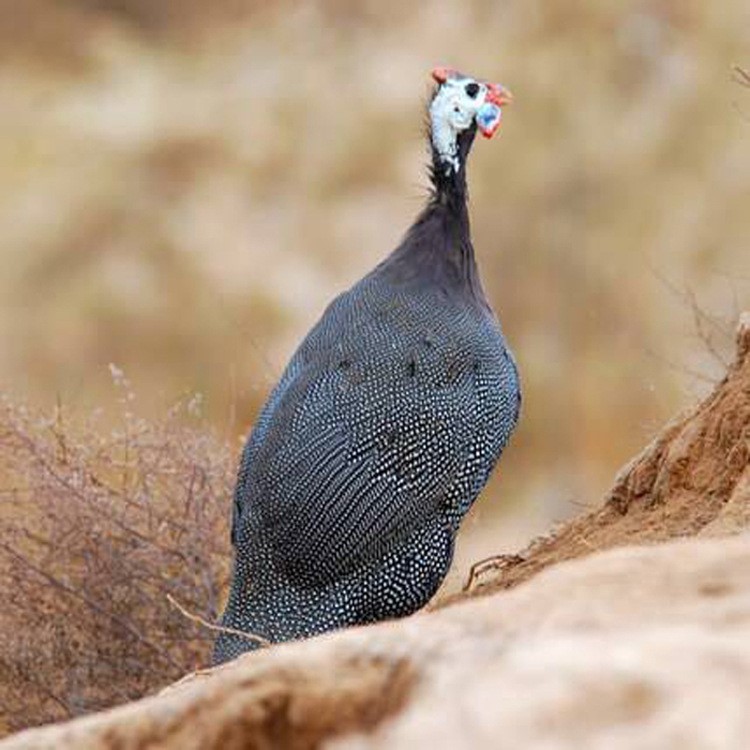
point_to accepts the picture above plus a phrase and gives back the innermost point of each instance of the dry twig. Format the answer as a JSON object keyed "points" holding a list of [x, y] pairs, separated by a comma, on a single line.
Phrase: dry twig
{"points": [[496, 562], [742, 76], [264, 643]]}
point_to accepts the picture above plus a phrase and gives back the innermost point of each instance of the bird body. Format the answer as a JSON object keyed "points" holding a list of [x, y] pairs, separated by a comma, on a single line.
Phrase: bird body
{"points": [[380, 434]]}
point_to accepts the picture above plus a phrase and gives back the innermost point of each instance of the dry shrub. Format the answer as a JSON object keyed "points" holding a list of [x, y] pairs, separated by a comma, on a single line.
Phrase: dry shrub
{"points": [[97, 527]]}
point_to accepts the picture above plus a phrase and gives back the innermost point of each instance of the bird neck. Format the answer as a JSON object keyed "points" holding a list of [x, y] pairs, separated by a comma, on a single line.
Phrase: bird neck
{"points": [[448, 210], [448, 201], [448, 176], [437, 250]]}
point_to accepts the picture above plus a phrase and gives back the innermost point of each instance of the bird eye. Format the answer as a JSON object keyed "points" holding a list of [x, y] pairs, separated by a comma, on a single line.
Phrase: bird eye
{"points": [[472, 89]]}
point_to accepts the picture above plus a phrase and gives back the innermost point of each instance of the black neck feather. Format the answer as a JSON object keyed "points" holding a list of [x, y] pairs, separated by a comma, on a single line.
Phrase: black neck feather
{"points": [[437, 249], [448, 185]]}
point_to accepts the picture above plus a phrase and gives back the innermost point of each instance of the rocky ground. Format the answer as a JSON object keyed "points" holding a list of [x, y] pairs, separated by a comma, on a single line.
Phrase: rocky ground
{"points": [[643, 641]]}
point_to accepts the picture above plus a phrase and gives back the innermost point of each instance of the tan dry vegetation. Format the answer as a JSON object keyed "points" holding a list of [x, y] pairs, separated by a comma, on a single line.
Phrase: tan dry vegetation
{"points": [[97, 529]]}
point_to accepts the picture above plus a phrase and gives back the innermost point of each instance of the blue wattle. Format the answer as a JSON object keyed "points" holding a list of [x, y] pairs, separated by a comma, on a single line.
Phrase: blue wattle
{"points": [[488, 116]]}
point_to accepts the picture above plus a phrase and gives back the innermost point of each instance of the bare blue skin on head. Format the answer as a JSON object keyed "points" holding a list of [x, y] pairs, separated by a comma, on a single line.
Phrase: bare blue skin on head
{"points": [[489, 116]]}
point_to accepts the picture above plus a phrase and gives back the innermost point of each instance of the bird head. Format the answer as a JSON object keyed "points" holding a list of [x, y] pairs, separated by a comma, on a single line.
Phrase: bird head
{"points": [[460, 101]]}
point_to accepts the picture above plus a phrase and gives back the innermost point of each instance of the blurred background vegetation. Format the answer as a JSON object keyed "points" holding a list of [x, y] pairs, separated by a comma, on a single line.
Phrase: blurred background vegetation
{"points": [[184, 185]]}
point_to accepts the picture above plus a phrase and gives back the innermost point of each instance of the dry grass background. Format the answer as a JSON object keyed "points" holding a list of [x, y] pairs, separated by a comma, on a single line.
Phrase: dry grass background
{"points": [[99, 528], [184, 185]]}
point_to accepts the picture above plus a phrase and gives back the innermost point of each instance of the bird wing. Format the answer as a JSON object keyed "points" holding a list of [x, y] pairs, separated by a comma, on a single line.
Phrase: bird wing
{"points": [[341, 482]]}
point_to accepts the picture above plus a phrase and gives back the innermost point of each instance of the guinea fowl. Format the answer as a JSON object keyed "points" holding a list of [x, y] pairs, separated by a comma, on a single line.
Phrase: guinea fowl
{"points": [[385, 425]]}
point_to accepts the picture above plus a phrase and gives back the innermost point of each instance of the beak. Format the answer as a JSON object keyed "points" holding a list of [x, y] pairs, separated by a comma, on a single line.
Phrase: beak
{"points": [[498, 95]]}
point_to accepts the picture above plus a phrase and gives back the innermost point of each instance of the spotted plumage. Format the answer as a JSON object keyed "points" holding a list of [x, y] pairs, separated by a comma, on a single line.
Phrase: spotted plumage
{"points": [[380, 434]]}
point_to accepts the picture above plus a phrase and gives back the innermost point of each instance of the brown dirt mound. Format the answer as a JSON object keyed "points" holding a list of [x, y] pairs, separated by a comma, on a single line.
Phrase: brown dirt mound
{"points": [[279, 703], [693, 479], [637, 647]]}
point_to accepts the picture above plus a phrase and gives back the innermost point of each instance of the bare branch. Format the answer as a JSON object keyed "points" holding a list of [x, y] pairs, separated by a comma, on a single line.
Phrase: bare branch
{"points": [[496, 562], [741, 75], [252, 637], [64, 587]]}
